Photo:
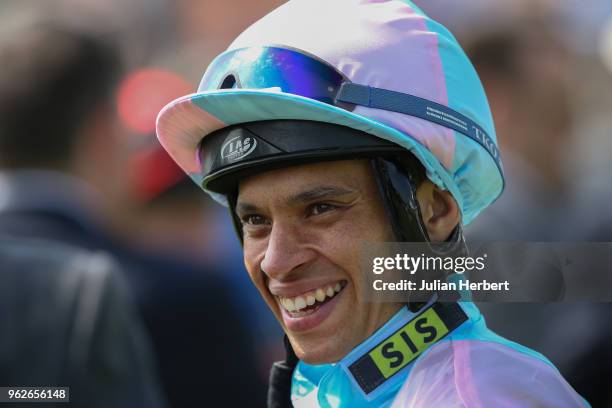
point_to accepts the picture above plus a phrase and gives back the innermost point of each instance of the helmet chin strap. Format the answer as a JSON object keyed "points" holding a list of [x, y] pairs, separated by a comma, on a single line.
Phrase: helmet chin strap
{"points": [[232, 199], [397, 185], [397, 188]]}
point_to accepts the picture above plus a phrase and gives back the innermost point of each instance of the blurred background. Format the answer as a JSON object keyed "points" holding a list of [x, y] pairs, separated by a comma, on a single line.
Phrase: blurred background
{"points": [[80, 86]]}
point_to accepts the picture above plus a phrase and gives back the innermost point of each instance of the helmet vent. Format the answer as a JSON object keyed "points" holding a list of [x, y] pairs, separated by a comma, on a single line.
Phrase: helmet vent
{"points": [[229, 82]]}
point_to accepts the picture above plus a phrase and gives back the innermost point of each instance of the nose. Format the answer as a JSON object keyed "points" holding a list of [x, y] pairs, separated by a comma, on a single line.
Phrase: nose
{"points": [[286, 251]]}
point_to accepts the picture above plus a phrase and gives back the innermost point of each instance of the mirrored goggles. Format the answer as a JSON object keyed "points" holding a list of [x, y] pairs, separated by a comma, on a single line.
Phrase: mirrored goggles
{"points": [[298, 73]]}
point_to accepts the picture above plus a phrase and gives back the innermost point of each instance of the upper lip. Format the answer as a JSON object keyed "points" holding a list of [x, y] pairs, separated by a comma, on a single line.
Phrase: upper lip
{"points": [[299, 288]]}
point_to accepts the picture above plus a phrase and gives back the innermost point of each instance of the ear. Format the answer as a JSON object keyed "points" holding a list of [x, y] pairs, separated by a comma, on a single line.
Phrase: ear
{"points": [[439, 210]]}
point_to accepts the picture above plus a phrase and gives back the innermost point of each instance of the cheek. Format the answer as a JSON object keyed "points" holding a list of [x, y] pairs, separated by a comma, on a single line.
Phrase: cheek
{"points": [[253, 255], [366, 225], [344, 244], [252, 260], [363, 229]]}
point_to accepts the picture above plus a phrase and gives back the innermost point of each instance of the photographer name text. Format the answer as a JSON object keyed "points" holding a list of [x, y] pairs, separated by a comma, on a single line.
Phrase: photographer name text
{"points": [[438, 285]]}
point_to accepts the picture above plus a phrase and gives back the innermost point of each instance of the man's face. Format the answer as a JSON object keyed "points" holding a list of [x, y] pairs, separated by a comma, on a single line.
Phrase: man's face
{"points": [[304, 228]]}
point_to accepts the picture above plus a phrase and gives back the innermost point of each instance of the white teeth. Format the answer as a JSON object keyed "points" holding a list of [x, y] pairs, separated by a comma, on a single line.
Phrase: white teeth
{"points": [[300, 302], [320, 295]]}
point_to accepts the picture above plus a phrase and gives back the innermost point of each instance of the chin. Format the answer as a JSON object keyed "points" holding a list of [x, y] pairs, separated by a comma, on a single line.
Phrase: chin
{"points": [[317, 359], [322, 353]]}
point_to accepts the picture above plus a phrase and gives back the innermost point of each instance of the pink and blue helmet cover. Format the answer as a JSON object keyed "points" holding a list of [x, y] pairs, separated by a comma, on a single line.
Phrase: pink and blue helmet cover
{"points": [[383, 44]]}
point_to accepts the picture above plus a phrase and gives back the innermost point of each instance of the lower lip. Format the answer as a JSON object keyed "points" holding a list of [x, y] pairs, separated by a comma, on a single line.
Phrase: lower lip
{"points": [[303, 323]]}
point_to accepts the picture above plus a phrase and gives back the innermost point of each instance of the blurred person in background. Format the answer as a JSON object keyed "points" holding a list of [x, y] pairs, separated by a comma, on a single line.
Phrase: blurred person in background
{"points": [[66, 320], [191, 307], [63, 177], [526, 72], [60, 150], [57, 142]]}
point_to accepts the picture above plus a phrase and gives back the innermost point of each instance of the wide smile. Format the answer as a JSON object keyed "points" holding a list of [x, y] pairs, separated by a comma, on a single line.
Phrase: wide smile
{"points": [[308, 310]]}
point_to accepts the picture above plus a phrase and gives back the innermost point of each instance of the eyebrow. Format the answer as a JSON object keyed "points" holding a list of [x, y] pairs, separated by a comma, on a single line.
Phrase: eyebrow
{"points": [[303, 197], [242, 208], [318, 193]]}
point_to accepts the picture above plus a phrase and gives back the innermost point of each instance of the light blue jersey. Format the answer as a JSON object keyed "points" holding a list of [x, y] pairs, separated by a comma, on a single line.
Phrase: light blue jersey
{"points": [[442, 356]]}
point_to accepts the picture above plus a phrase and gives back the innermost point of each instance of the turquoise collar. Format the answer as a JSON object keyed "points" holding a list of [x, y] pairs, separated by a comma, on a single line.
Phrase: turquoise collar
{"points": [[372, 373]]}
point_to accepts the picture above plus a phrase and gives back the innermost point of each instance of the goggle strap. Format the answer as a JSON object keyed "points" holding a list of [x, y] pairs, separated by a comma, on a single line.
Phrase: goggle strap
{"points": [[411, 105]]}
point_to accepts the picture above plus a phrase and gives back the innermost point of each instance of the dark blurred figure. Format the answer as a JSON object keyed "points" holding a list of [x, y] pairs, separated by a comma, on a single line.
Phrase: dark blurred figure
{"points": [[63, 177], [525, 71], [60, 152], [66, 321], [198, 327]]}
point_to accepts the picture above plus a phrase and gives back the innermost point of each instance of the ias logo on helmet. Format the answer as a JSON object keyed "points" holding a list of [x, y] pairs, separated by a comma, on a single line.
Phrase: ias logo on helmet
{"points": [[237, 148]]}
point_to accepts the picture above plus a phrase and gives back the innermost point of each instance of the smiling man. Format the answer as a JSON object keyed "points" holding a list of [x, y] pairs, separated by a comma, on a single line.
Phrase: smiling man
{"points": [[328, 125], [304, 265]]}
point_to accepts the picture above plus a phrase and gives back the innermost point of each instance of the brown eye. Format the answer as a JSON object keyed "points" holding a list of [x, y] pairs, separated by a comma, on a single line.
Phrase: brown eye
{"points": [[320, 208], [254, 219]]}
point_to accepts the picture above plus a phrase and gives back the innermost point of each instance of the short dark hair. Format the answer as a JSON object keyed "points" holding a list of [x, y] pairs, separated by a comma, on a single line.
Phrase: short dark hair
{"points": [[53, 77]]}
